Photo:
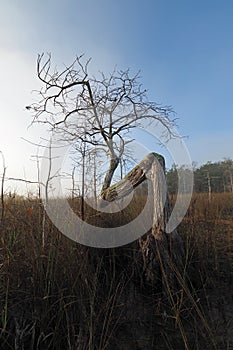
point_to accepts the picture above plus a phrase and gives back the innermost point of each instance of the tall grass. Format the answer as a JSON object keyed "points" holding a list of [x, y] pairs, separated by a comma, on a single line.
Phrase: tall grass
{"points": [[61, 295]]}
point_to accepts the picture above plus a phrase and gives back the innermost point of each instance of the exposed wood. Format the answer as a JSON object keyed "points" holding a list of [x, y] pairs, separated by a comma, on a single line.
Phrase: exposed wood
{"points": [[158, 247], [136, 176]]}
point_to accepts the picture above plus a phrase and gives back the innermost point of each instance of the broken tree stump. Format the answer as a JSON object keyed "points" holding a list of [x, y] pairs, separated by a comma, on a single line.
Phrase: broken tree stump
{"points": [[158, 247]]}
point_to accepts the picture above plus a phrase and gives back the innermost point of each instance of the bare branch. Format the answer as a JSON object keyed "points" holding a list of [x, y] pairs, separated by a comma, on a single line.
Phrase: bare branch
{"points": [[79, 107]]}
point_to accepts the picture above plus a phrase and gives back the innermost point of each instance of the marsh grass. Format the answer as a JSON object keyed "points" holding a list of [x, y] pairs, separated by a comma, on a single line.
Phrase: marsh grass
{"points": [[61, 295]]}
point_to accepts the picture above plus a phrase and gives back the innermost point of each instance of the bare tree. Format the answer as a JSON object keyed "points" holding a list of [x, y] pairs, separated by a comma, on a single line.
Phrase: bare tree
{"points": [[99, 111]]}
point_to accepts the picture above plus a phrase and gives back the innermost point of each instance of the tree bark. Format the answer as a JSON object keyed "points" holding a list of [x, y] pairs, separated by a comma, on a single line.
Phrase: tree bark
{"points": [[158, 247], [114, 162]]}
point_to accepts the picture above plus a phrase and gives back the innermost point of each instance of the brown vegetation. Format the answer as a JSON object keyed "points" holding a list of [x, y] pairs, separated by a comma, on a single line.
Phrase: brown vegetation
{"points": [[68, 296]]}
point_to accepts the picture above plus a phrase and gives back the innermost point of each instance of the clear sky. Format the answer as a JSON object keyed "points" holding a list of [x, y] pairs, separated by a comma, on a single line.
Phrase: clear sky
{"points": [[183, 48]]}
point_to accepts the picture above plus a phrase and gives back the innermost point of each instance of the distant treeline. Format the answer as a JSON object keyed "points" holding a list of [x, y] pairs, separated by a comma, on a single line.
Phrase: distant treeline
{"points": [[209, 177]]}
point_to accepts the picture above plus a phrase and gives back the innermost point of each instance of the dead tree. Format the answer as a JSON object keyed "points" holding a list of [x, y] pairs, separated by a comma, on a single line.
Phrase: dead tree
{"points": [[100, 111], [158, 247]]}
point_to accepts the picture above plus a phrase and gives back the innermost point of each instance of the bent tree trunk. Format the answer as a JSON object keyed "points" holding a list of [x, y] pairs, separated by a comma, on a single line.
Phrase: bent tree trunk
{"points": [[158, 247], [114, 162]]}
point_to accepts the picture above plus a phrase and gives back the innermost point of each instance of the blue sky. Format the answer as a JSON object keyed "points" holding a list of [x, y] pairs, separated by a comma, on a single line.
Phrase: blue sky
{"points": [[184, 50]]}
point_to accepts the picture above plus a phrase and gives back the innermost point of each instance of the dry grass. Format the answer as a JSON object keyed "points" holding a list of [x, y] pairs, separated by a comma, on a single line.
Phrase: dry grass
{"points": [[67, 296]]}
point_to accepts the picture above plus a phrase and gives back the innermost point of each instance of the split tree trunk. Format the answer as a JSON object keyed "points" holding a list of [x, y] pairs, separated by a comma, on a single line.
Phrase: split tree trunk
{"points": [[157, 246]]}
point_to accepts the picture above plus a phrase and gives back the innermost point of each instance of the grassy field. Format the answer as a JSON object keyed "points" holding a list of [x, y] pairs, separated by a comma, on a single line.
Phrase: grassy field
{"points": [[57, 294]]}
